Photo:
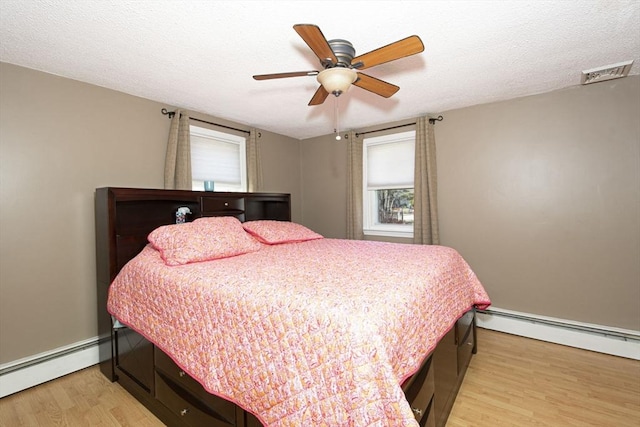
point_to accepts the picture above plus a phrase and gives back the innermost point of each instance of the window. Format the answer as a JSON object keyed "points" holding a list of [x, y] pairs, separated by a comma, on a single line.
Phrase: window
{"points": [[218, 157], [388, 184]]}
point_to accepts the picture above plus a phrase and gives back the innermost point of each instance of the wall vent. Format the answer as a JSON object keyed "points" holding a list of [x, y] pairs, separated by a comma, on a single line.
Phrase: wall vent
{"points": [[613, 71]]}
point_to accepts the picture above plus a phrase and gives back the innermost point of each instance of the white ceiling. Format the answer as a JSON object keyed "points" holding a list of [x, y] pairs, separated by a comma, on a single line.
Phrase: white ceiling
{"points": [[201, 55]]}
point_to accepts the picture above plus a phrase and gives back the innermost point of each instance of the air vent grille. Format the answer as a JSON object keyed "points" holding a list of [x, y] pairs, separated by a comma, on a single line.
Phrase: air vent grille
{"points": [[613, 71]]}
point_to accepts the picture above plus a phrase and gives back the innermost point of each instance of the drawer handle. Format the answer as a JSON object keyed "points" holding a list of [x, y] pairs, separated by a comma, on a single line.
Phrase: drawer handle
{"points": [[226, 203], [417, 411], [181, 374], [184, 412]]}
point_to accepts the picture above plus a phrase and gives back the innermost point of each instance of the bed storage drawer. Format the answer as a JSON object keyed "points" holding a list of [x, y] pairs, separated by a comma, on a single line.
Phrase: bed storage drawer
{"points": [[451, 359], [187, 407], [419, 391], [463, 326], [179, 383], [465, 340], [465, 350]]}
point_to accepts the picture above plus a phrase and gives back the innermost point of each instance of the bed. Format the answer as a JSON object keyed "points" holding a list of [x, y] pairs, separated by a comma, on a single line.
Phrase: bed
{"points": [[269, 323]]}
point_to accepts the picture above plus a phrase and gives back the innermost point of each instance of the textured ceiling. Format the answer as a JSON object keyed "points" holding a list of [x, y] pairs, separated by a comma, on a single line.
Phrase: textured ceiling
{"points": [[201, 55]]}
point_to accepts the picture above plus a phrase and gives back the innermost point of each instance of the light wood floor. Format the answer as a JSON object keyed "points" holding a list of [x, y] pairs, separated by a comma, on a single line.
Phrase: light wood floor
{"points": [[512, 381]]}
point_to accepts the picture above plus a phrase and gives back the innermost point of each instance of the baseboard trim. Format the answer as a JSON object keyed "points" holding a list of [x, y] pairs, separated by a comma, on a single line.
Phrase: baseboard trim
{"points": [[31, 371], [614, 341]]}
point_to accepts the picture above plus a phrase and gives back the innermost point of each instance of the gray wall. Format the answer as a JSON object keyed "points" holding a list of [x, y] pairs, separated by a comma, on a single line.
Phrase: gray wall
{"points": [[59, 140], [540, 194]]}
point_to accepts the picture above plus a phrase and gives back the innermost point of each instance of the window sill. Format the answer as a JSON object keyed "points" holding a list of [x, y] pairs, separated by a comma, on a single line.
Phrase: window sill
{"points": [[389, 233]]}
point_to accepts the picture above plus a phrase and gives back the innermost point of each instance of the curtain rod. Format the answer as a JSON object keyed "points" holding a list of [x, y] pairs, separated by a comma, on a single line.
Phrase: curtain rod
{"points": [[173, 113], [432, 121]]}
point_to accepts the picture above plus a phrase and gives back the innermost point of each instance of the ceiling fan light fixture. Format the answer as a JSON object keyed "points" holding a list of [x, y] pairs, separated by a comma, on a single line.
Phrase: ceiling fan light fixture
{"points": [[337, 80], [341, 68]]}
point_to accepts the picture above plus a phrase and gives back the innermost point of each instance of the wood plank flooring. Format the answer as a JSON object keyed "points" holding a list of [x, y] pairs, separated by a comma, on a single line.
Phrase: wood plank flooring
{"points": [[515, 381], [512, 381]]}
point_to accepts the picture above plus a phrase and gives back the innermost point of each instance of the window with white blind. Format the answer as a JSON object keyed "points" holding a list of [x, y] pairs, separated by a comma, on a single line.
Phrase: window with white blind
{"points": [[388, 184], [219, 157]]}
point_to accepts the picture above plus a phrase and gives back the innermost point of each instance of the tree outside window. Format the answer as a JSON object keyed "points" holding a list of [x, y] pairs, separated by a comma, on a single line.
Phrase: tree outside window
{"points": [[395, 206]]}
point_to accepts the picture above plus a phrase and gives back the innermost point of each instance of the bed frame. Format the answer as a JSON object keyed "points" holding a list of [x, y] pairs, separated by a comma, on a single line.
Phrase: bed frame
{"points": [[124, 218]]}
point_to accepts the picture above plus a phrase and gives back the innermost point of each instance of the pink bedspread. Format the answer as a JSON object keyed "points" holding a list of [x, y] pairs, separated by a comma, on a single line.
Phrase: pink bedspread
{"points": [[320, 333]]}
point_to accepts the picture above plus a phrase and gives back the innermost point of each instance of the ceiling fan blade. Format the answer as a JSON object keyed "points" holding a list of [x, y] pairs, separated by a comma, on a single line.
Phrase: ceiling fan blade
{"points": [[314, 38], [284, 75], [319, 97], [377, 86], [400, 49]]}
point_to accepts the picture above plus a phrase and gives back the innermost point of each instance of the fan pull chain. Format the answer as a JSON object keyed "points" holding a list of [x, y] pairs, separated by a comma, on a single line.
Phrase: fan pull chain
{"points": [[337, 120]]}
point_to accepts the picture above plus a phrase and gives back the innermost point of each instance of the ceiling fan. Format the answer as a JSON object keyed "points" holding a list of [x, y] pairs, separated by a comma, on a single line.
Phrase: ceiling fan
{"points": [[341, 68]]}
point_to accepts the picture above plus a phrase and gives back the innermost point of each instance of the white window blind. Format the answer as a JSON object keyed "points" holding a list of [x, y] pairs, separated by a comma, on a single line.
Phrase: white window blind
{"points": [[388, 165], [390, 161], [218, 157]]}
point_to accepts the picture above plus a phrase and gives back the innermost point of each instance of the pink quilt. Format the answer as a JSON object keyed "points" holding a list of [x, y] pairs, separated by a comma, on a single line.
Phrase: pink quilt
{"points": [[320, 333]]}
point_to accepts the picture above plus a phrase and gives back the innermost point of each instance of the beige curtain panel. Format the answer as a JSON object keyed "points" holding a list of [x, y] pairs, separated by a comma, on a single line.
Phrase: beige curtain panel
{"points": [[254, 166], [425, 227], [177, 165], [354, 188]]}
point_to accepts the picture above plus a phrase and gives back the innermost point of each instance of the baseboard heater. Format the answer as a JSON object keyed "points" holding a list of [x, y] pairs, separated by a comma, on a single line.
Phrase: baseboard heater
{"points": [[31, 371], [50, 356], [603, 339]]}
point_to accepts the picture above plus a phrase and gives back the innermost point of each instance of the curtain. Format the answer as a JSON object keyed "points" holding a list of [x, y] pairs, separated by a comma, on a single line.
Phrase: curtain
{"points": [[177, 164], [425, 227], [354, 188], [254, 166]]}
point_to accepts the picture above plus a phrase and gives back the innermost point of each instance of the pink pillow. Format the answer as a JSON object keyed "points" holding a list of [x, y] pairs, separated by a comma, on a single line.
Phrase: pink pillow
{"points": [[204, 239], [275, 232]]}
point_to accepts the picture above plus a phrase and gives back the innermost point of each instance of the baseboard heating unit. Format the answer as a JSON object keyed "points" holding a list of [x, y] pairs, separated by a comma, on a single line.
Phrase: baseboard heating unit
{"points": [[614, 341], [30, 371]]}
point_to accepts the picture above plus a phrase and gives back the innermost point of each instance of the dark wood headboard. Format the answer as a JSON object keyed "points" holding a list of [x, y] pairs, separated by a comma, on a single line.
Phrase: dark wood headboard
{"points": [[126, 216]]}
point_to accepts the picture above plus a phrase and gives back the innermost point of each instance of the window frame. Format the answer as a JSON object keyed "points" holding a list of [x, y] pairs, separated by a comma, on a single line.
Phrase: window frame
{"points": [[228, 138], [370, 198]]}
